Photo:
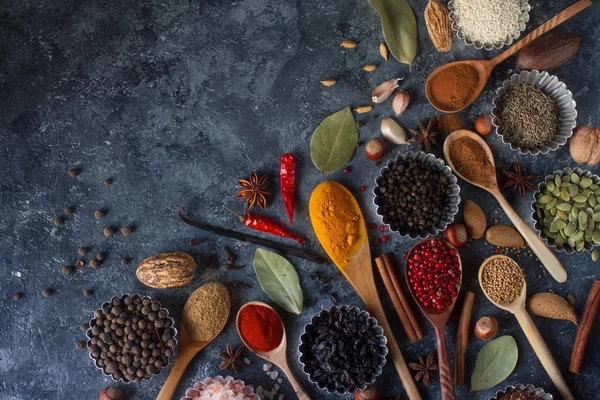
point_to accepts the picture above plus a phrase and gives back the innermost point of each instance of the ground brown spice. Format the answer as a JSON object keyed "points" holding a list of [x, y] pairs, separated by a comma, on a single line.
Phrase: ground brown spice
{"points": [[206, 311], [471, 161], [453, 87], [448, 123]]}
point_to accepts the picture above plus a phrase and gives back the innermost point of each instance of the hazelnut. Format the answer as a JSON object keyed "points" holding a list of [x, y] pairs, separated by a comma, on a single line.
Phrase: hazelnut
{"points": [[483, 124], [375, 149], [368, 393], [111, 393], [456, 234], [486, 327]]}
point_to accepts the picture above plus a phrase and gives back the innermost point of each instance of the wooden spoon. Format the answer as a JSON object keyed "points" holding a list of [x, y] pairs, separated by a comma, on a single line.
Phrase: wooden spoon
{"points": [[359, 272], [484, 67], [188, 347], [546, 257], [517, 307], [439, 319], [277, 356]]}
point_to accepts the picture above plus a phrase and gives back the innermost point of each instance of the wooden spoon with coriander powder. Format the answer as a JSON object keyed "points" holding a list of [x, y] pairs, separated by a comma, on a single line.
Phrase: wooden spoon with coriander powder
{"points": [[471, 159], [203, 318], [472, 75], [503, 283], [276, 356], [340, 227]]}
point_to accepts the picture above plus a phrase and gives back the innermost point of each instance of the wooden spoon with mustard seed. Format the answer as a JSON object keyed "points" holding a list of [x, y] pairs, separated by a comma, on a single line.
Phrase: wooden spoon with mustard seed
{"points": [[483, 68], [517, 307], [213, 296], [545, 255], [277, 356]]}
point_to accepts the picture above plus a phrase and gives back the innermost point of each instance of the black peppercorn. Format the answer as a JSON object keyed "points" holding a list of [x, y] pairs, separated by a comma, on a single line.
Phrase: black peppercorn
{"points": [[94, 263], [125, 260], [100, 256], [98, 214], [108, 182], [69, 210], [59, 221], [74, 172], [82, 251]]}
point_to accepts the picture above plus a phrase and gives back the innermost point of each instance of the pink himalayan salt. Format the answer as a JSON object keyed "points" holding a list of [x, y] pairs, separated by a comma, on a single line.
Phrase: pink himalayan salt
{"points": [[221, 388]]}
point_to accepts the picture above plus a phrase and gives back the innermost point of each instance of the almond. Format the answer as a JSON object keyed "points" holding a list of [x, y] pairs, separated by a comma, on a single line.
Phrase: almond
{"points": [[548, 52], [551, 305], [585, 145], [438, 25], [504, 236], [166, 270], [474, 220]]}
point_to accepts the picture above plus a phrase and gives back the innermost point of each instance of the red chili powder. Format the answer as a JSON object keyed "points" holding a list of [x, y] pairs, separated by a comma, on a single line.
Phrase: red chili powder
{"points": [[260, 327]]}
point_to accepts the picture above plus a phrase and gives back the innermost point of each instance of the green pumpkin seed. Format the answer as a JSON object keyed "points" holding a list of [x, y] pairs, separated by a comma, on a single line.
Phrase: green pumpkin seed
{"points": [[553, 212], [580, 247], [550, 205], [579, 205], [566, 207], [597, 208], [595, 255], [594, 187], [575, 178], [585, 183], [549, 233], [592, 201], [580, 198], [562, 235], [577, 237], [564, 194], [570, 229], [557, 225], [559, 241], [596, 236], [566, 178], [573, 190], [544, 199], [571, 243], [557, 180], [550, 186], [596, 216], [562, 215]]}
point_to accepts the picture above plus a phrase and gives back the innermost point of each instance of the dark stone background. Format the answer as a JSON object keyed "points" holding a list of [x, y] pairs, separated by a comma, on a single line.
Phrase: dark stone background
{"points": [[177, 100]]}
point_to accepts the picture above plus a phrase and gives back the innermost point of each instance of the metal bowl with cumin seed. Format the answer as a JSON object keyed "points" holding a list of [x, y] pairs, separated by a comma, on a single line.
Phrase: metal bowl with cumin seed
{"points": [[539, 392], [452, 202], [549, 84], [92, 323], [544, 233], [305, 350], [523, 19]]}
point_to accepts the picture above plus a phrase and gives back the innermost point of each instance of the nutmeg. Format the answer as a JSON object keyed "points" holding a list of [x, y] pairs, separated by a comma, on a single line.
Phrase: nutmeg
{"points": [[585, 145], [486, 328], [111, 393]]}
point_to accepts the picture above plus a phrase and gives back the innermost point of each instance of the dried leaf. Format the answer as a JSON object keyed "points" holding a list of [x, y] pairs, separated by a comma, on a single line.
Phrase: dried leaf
{"points": [[334, 141], [399, 28], [279, 280], [495, 362]]}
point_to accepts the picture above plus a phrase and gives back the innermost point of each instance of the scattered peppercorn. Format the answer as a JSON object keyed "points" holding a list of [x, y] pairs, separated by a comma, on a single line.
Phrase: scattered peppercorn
{"points": [[47, 292], [229, 255], [383, 228], [94, 263], [69, 210], [125, 260], [59, 221], [373, 225], [17, 296], [108, 182], [67, 269], [73, 172], [100, 256], [108, 231], [85, 326], [79, 345], [363, 188], [88, 292], [346, 170], [126, 230], [79, 264], [82, 251], [98, 214]]}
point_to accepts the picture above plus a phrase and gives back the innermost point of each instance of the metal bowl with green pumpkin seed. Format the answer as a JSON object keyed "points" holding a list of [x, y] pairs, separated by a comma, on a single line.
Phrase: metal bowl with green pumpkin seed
{"points": [[566, 210]]}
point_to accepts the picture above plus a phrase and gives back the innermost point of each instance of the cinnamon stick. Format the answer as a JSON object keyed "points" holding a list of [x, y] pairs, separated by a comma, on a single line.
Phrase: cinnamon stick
{"points": [[585, 328], [462, 338], [386, 272]]}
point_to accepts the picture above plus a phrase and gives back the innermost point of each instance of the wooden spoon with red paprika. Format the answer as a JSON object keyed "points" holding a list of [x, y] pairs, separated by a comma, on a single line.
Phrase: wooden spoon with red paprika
{"points": [[262, 331]]}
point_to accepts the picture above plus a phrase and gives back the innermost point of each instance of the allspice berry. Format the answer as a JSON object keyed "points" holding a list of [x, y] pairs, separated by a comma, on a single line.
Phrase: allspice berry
{"points": [[47, 292], [67, 269], [82, 251], [17, 296], [125, 260], [79, 345], [59, 221], [94, 263], [111, 393], [108, 231], [88, 293], [85, 326], [108, 182], [98, 214], [126, 230], [73, 172], [100, 256], [69, 210]]}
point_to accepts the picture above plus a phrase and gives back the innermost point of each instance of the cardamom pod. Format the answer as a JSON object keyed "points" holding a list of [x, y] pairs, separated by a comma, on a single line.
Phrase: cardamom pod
{"points": [[363, 109], [438, 25], [348, 44], [328, 82], [383, 50], [384, 90], [370, 67]]}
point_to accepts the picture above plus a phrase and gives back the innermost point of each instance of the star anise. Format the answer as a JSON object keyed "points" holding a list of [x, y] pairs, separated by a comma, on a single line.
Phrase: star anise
{"points": [[231, 358], [425, 136], [424, 367], [517, 180], [254, 190]]}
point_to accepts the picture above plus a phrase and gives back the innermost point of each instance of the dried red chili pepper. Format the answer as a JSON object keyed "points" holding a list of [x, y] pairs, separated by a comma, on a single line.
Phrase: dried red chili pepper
{"points": [[264, 224], [287, 177]]}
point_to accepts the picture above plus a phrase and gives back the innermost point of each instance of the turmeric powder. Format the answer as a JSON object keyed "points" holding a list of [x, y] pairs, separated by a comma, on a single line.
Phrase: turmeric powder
{"points": [[337, 221]]}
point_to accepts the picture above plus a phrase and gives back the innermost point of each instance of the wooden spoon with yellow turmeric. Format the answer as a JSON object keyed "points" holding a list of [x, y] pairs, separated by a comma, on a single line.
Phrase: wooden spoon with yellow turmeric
{"points": [[340, 227]]}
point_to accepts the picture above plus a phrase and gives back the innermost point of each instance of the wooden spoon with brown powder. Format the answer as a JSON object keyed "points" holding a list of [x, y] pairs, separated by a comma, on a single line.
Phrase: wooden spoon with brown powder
{"points": [[203, 318], [471, 159]]}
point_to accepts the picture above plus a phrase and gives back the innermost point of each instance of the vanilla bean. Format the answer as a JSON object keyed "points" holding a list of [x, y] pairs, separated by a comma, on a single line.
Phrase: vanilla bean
{"points": [[284, 249], [212, 262], [230, 267], [240, 285]]}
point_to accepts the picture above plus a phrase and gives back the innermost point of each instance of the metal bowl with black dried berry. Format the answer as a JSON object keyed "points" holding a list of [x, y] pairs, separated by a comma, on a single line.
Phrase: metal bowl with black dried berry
{"points": [[131, 338], [342, 349], [417, 195]]}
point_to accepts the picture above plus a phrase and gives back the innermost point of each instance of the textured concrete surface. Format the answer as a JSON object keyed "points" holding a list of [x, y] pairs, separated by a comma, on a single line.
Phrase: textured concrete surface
{"points": [[177, 100]]}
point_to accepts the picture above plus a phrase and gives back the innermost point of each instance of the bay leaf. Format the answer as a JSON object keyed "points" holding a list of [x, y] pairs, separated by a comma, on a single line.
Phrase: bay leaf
{"points": [[399, 28], [279, 280], [334, 141], [495, 362]]}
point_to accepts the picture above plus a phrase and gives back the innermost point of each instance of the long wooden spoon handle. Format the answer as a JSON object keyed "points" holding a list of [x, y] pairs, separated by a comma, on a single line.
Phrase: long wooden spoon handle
{"points": [[547, 26], [543, 353], [181, 363], [298, 389], [547, 258], [446, 382]]}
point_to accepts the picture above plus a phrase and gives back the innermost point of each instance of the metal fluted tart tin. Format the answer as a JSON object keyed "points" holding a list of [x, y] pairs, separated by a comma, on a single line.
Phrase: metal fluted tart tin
{"points": [[538, 224], [92, 323], [542, 395], [453, 199], [304, 349], [549, 84], [523, 19]]}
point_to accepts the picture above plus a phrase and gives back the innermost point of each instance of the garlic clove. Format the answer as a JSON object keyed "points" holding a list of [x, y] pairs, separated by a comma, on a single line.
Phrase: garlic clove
{"points": [[384, 90], [400, 102], [393, 132]]}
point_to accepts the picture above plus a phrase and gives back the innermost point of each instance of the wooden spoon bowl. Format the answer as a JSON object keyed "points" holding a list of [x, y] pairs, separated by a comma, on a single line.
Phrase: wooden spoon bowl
{"points": [[438, 319], [277, 356]]}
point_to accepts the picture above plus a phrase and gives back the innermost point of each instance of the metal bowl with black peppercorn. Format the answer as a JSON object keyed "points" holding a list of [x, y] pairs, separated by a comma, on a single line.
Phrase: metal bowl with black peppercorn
{"points": [[131, 338], [532, 391], [416, 195], [343, 349]]}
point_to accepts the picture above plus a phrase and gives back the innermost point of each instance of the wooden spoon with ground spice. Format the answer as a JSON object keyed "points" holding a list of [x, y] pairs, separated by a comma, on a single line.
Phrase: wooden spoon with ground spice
{"points": [[471, 159], [503, 283], [453, 86]]}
